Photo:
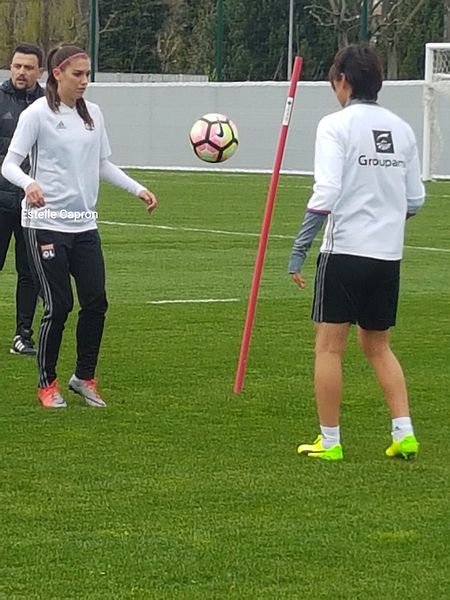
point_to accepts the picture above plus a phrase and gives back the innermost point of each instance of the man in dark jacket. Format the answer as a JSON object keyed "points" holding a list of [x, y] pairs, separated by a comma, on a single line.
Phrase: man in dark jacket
{"points": [[16, 95]]}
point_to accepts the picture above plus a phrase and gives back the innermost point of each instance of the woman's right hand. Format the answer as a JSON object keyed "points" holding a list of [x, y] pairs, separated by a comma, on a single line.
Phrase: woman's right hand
{"points": [[35, 197]]}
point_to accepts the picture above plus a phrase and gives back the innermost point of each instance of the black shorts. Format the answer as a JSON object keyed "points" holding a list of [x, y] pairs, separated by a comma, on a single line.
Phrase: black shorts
{"points": [[356, 289]]}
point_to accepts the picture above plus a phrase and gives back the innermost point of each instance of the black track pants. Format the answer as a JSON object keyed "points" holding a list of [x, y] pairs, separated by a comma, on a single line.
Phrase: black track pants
{"points": [[56, 256], [26, 291]]}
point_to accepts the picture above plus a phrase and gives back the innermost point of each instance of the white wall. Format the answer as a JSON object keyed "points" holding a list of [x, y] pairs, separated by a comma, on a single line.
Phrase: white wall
{"points": [[149, 124]]}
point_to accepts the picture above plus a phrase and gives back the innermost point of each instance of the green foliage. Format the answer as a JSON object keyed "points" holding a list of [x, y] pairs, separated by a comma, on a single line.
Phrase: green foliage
{"points": [[128, 34], [198, 52], [427, 26], [179, 36], [315, 43], [256, 40]]}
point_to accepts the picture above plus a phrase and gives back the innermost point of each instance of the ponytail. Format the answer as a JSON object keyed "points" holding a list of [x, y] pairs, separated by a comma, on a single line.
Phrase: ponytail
{"points": [[51, 86], [59, 57]]}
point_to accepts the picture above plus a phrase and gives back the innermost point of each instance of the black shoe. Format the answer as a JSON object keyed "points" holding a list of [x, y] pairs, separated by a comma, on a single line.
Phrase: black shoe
{"points": [[23, 345]]}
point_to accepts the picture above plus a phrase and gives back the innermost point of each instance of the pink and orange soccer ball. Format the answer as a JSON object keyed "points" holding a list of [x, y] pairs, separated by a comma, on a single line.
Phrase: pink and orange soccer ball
{"points": [[214, 138]]}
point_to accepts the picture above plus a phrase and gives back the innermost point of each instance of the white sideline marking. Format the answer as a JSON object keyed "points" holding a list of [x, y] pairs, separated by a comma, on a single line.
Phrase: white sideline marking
{"points": [[194, 229], [193, 301], [232, 173], [240, 233], [427, 249]]}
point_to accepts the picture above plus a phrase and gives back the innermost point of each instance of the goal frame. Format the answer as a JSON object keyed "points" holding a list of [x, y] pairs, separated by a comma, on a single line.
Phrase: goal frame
{"points": [[430, 48]]}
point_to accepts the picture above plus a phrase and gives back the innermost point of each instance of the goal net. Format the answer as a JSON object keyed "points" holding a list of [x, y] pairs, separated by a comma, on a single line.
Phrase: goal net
{"points": [[436, 120]]}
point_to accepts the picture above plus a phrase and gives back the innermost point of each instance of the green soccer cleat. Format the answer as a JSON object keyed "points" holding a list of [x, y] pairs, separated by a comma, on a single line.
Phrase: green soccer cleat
{"points": [[406, 448], [316, 450]]}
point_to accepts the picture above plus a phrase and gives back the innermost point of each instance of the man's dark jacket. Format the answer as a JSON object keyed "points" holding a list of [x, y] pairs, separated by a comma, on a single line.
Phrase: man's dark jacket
{"points": [[12, 103]]}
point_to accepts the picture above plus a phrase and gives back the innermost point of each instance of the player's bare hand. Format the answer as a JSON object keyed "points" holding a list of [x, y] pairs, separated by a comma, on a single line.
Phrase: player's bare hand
{"points": [[35, 197], [298, 279], [150, 200]]}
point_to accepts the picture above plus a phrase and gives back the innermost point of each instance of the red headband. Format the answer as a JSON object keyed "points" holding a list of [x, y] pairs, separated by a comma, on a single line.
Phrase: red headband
{"points": [[77, 55]]}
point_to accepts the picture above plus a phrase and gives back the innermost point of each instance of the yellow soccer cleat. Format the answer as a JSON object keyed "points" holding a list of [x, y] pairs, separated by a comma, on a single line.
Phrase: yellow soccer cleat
{"points": [[316, 450], [406, 448]]}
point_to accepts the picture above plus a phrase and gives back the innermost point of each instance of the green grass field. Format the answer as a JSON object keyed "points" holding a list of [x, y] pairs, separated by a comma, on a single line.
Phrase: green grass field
{"points": [[181, 489]]}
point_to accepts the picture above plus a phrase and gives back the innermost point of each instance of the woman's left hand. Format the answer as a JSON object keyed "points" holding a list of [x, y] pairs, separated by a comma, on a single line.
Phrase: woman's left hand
{"points": [[150, 200], [299, 280]]}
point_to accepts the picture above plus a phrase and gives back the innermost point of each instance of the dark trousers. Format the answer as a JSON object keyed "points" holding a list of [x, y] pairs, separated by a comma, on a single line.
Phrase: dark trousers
{"points": [[26, 290], [56, 256]]}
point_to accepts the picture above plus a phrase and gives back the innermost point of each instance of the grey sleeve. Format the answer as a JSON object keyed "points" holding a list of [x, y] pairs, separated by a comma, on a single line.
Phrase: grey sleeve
{"points": [[414, 205], [311, 225]]}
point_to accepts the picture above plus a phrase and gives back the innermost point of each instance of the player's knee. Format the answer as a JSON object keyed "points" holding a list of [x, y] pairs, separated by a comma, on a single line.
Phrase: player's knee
{"points": [[97, 304], [374, 345], [57, 312], [331, 338], [330, 345]]}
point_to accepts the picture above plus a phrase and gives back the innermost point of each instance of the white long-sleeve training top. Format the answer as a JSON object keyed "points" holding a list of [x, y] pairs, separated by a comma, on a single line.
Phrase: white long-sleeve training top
{"points": [[367, 179], [67, 161]]}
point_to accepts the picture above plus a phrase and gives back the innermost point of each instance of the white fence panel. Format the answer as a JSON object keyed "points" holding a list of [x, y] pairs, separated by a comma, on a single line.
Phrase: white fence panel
{"points": [[149, 124]]}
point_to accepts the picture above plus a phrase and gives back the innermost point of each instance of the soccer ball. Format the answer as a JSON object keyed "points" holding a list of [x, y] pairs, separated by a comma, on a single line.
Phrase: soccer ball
{"points": [[214, 138]]}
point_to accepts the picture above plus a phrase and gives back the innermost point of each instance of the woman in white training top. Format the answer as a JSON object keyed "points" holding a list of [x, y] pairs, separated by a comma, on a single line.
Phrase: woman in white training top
{"points": [[65, 137], [367, 183]]}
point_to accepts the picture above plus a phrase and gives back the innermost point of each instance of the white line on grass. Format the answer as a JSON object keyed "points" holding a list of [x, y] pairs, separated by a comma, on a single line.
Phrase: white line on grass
{"points": [[428, 248], [194, 301], [193, 229], [283, 183], [240, 233]]}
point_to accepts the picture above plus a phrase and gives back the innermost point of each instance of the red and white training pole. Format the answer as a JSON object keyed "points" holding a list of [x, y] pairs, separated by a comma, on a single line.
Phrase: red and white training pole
{"points": [[264, 237]]}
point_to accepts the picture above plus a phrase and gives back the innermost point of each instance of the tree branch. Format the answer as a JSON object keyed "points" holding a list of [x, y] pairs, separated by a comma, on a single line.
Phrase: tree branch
{"points": [[109, 20], [411, 15]]}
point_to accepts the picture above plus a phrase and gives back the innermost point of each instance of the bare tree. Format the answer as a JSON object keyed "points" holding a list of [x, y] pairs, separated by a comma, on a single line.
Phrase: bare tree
{"points": [[341, 15], [169, 39], [390, 24], [6, 33], [388, 21], [44, 22]]}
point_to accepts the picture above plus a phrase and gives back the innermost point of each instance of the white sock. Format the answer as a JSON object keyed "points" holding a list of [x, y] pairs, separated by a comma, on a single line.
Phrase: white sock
{"points": [[330, 436], [401, 427]]}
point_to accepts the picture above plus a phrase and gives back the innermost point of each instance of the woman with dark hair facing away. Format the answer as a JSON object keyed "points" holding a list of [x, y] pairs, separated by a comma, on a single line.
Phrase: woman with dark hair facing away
{"points": [[367, 183], [68, 146]]}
